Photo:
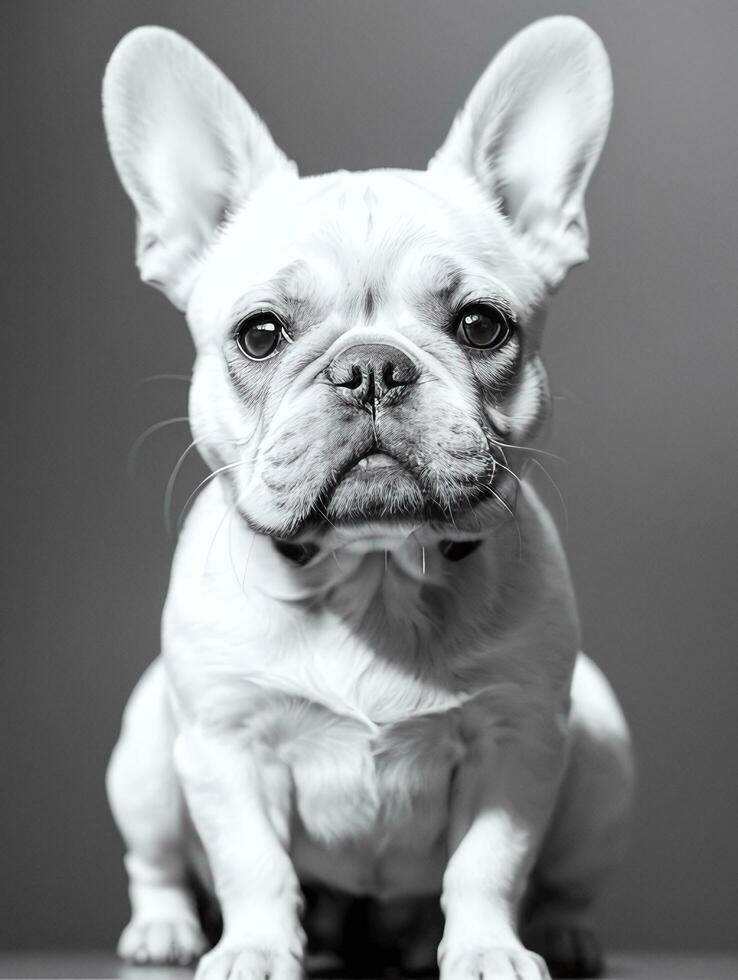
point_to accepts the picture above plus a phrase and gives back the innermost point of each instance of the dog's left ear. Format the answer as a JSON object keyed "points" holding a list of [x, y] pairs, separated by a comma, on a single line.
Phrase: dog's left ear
{"points": [[187, 147], [531, 133]]}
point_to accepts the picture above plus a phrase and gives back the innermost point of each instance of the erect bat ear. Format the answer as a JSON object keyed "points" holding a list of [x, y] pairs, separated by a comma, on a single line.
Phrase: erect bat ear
{"points": [[187, 148], [531, 133]]}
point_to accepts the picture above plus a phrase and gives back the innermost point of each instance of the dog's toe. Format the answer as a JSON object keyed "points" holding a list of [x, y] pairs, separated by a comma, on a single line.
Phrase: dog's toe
{"points": [[248, 963], [162, 942]]}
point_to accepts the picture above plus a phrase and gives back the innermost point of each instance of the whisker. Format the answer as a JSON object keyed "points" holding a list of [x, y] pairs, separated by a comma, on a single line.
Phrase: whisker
{"points": [[531, 449], [556, 487], [163, 377], [490, 490], [514, 518], [230, 546], [450, 513], [508, 470], [246, 565], [144, 436], [201, 485], [169, 492], [326, 518]]}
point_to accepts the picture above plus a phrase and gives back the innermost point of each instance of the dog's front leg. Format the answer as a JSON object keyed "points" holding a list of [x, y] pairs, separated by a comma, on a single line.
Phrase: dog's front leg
{"points": [[502, 799], [239, 799]]}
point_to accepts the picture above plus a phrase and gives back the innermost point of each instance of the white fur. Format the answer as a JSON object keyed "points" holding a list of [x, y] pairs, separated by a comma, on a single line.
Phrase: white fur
{"points": [[532, 131], [332, 722]]}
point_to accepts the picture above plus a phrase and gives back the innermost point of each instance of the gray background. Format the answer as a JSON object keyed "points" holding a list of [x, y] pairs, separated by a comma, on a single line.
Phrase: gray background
{"points": [[642, 347]]}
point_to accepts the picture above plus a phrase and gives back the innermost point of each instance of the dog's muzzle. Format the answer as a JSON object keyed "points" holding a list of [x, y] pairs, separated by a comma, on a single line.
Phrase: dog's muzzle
{"points": [[364, 374]]}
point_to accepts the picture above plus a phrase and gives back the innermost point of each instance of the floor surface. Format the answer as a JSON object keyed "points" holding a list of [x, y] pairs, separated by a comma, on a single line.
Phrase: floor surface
{"points": [[104, 966]]}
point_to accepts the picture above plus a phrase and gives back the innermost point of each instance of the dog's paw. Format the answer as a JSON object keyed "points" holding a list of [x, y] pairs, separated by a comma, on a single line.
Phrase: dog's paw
{"points": [[248, 963], [570, 950], [493, 963], [162, 942]]}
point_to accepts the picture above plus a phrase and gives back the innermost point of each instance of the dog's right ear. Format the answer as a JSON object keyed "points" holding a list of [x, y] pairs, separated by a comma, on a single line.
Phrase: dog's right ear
{"points": [[187, 147], [531, 133]]}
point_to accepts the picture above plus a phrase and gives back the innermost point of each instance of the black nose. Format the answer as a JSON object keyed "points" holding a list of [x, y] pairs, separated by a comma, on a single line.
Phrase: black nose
{"points": [[366, 372]]}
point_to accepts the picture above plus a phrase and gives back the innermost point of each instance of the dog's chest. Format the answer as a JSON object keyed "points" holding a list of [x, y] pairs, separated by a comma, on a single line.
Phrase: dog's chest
{"points": [[370, 742], [355, 782], [365, 717], [372, 796]]}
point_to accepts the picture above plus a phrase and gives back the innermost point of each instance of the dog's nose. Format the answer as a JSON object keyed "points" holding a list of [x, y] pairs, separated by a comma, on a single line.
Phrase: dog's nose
{"points": [[366, 372]]}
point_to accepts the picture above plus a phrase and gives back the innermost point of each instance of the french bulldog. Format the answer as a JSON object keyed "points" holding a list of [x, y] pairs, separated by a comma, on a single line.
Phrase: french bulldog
{"points": [[370, 690]]}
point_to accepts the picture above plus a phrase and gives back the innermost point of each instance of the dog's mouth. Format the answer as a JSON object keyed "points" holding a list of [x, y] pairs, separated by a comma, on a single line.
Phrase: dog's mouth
{"points": [[381, 488], [375, 486], [375, 465], [396, 482]]}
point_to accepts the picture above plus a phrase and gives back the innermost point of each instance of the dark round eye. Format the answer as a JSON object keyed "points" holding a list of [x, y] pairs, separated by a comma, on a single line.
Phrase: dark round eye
{"points": [[259, 335], [483, 327]]}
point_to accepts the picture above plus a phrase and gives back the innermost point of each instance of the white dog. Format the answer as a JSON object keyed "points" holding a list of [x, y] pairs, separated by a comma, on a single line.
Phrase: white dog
{"points": [[370, 678]]}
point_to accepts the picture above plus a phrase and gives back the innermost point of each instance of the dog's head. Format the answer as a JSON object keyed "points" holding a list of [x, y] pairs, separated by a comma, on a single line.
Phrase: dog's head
{"points": [[367, 343]]}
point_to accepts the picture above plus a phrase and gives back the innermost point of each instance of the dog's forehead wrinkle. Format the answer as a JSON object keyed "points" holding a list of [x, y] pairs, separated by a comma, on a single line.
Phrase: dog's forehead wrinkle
{"points": [[292, 280], [439, 275], [357, 244], [423, 228], [370, 303], [290, 286], [370, 200], [370, 197], [445, 290]]}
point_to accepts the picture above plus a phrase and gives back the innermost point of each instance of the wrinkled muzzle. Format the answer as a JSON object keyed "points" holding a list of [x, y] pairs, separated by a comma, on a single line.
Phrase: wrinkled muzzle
{"points": [[375, 438]]}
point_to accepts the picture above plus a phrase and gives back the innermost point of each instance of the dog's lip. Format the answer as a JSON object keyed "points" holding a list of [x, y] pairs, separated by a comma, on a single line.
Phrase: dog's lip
{"points": [[375, 460], [371, 466]]}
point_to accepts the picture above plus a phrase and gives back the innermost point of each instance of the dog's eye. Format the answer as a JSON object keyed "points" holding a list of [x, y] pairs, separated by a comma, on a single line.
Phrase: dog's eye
{"points": [[483, 327], [259, 336]]}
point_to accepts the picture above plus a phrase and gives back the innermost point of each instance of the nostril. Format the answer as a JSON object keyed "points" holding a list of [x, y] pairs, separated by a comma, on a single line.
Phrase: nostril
{"points": [[371, 370], [397, 373], [393, 375], [345, 374], [356, 379]]}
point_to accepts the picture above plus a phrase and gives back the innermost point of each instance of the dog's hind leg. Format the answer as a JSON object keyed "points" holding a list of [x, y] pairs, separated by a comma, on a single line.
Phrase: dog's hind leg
{"points": [[148, 807], [587, 834]]}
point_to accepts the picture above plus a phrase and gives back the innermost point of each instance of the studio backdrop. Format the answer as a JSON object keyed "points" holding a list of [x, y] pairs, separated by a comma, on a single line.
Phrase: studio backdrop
{"points": [[642, 350]]}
